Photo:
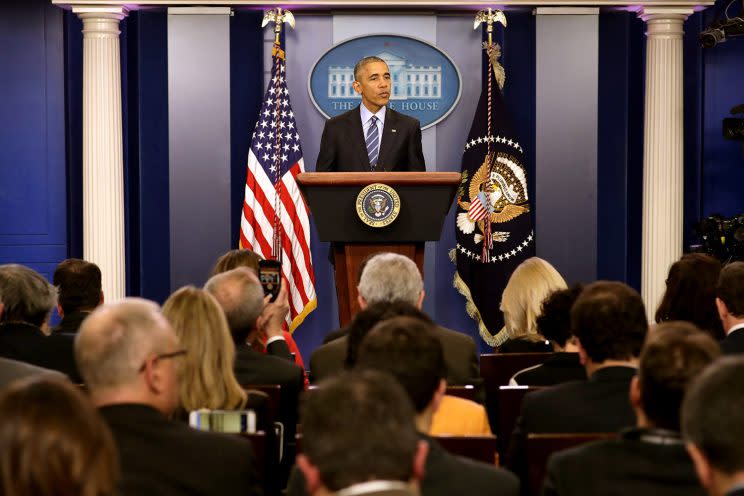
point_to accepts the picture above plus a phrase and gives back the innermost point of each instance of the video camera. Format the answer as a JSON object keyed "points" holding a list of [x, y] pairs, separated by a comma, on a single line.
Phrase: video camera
{"points": [[722, 238], [721, 30]]}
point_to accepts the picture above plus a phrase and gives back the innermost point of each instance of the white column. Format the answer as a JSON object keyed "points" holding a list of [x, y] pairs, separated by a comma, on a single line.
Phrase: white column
{"points": [[663, 162], [103, 167]]}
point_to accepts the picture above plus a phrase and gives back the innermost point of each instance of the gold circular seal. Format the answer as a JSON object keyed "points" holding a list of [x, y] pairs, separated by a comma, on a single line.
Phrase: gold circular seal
{"points": [[378, 205]]}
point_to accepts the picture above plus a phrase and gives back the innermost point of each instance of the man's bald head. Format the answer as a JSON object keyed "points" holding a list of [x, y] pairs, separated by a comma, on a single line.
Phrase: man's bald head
{"points": [[241, 297]]}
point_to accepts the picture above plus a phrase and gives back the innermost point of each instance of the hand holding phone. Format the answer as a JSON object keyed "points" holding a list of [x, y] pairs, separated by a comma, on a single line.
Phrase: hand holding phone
{"points": [[270, 275]]}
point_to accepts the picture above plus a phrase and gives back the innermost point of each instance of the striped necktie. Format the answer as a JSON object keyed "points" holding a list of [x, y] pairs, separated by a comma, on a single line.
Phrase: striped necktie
{"points": [[373, 142]]}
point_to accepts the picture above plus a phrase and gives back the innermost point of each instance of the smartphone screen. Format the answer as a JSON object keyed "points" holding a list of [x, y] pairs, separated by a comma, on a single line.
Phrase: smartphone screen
{"points": [[270, 275]]}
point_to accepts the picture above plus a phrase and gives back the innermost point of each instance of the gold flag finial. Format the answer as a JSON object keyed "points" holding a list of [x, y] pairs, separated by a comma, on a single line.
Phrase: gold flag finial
{"points": [[278, 16], [489, 17]]}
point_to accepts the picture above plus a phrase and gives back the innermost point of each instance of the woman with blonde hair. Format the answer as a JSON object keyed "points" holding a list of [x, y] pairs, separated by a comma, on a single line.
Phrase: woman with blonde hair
{"points": [[207, 379], [531, 282]]}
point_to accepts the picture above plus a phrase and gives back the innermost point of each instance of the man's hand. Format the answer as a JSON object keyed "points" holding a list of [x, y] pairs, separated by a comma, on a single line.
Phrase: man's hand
{"points": [[274, 314]]}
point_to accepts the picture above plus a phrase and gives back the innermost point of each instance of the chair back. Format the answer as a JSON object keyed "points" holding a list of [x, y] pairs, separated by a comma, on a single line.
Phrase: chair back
{"points": [[508, 403], [479, 448], [466, 392], [541, 446]]}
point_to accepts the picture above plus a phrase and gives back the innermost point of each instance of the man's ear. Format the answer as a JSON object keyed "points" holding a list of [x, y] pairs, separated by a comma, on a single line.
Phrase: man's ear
{"points": [[419, 460], [311, 473], [360, 299], [1, 309], [583, 357], [438, 395], [59, 311], [152, 375], [722, 308], [420, 303], [702, 467], [101, 299], [635, 392], [357, 87]]}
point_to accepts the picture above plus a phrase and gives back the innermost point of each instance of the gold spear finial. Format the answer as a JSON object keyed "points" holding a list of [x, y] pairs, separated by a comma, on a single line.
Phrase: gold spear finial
{"points": [[278, 16], [489, 17]]}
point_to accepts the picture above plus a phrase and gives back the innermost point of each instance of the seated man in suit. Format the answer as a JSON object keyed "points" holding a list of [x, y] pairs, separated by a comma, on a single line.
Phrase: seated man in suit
{"points": [[26, 303], [249, 313], [554, 324], [649, 459], [371, 136], [128, 355], [12, 370], [357, 437], [713, 429], [407, 349], [79, 285], [609, 323], [730, 304], [389, 277]]}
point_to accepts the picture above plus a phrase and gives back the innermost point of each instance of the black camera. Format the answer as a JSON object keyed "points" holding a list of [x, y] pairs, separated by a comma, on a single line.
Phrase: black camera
{"points": [[712, 36], [733, 129], [722, 29], [722, 238]]}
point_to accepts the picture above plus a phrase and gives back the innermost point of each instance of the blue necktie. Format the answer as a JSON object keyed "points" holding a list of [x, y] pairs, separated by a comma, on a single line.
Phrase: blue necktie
{"points": [[372, 141]]}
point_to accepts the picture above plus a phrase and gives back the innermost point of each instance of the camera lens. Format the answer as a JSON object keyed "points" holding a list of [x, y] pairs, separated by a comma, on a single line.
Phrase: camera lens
{"points": [[711, 37]]}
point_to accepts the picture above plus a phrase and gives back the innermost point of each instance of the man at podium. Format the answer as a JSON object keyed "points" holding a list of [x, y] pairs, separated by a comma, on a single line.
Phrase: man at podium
{"points": [[371, 137]]}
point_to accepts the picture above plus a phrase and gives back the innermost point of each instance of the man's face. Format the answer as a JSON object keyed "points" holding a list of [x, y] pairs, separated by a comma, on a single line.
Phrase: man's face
{"points": [[373, 84]]}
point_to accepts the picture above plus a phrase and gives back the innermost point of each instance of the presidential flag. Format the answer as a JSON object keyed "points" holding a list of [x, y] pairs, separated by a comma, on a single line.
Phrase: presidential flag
{"points": [[493, 224], [275, 222]]}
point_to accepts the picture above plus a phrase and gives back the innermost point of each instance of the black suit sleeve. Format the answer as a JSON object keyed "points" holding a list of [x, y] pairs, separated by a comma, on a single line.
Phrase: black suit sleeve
{"points": [[416, 160], [327, 154], [280, 349]]}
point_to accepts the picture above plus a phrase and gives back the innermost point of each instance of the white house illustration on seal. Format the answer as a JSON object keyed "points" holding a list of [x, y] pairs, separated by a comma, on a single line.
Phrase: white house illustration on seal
{"points": [[409, 81]]}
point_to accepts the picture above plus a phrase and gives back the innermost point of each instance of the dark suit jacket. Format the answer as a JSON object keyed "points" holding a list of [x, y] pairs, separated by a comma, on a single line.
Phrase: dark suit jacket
{"points": [[638, 463], [599, 404], [11, 370], [342, 147], [163, 457], [459, 356], [26, 343], [71, 322], [559, 367], [733, 343], [274, 367], [446, 475]]}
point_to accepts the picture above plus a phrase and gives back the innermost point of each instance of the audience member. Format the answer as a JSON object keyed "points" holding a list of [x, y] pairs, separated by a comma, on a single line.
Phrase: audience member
{"points": [[359, 438], [207, 376], [649, 459], [530, 283], [730, 304], [609, 323], [247, 258], [78, 284], [691, 292], [713, 429], [387, 278], [129, 357], [26, 303], [407, 349], [54, 442], [554, 324]]}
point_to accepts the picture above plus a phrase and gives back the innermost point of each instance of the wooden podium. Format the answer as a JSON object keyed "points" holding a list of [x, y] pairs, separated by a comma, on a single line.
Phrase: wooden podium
{"points": [[425, 199]]}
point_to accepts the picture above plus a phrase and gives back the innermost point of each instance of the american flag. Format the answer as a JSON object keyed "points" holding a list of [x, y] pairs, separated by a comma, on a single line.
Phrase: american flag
{"points": [[275, 221], [478, 210]]}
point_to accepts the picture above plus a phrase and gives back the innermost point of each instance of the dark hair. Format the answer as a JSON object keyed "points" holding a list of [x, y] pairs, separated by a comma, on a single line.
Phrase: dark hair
{"points": [[237, 258], [610, 321], [691, 293], [364, 61], [730, 288], [406, 348], [79, 285], [711, 414], [674, 353], [366, 319], [357, 427], [554, 323], [54, 442]]}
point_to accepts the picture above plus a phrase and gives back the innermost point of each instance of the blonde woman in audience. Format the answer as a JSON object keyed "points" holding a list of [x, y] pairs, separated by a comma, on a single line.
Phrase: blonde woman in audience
{"points": [[54, 442], [247, 258], [530, 283], [208, 380]]}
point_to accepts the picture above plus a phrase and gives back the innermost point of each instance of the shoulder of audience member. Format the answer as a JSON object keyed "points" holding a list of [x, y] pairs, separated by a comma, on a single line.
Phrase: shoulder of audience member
{"points": [[493, 479]]}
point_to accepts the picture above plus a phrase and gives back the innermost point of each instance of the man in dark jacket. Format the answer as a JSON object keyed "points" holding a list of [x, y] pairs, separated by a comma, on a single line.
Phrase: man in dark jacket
{"points": [[79, 286], [649, 459]]}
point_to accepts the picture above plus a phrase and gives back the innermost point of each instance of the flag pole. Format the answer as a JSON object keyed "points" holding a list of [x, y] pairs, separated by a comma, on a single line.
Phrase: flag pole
{"points": [[278, 16]]}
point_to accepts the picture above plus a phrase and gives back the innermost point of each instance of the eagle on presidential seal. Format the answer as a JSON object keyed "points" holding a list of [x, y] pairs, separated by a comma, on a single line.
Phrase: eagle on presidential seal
{"points": [[500, 185]]}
